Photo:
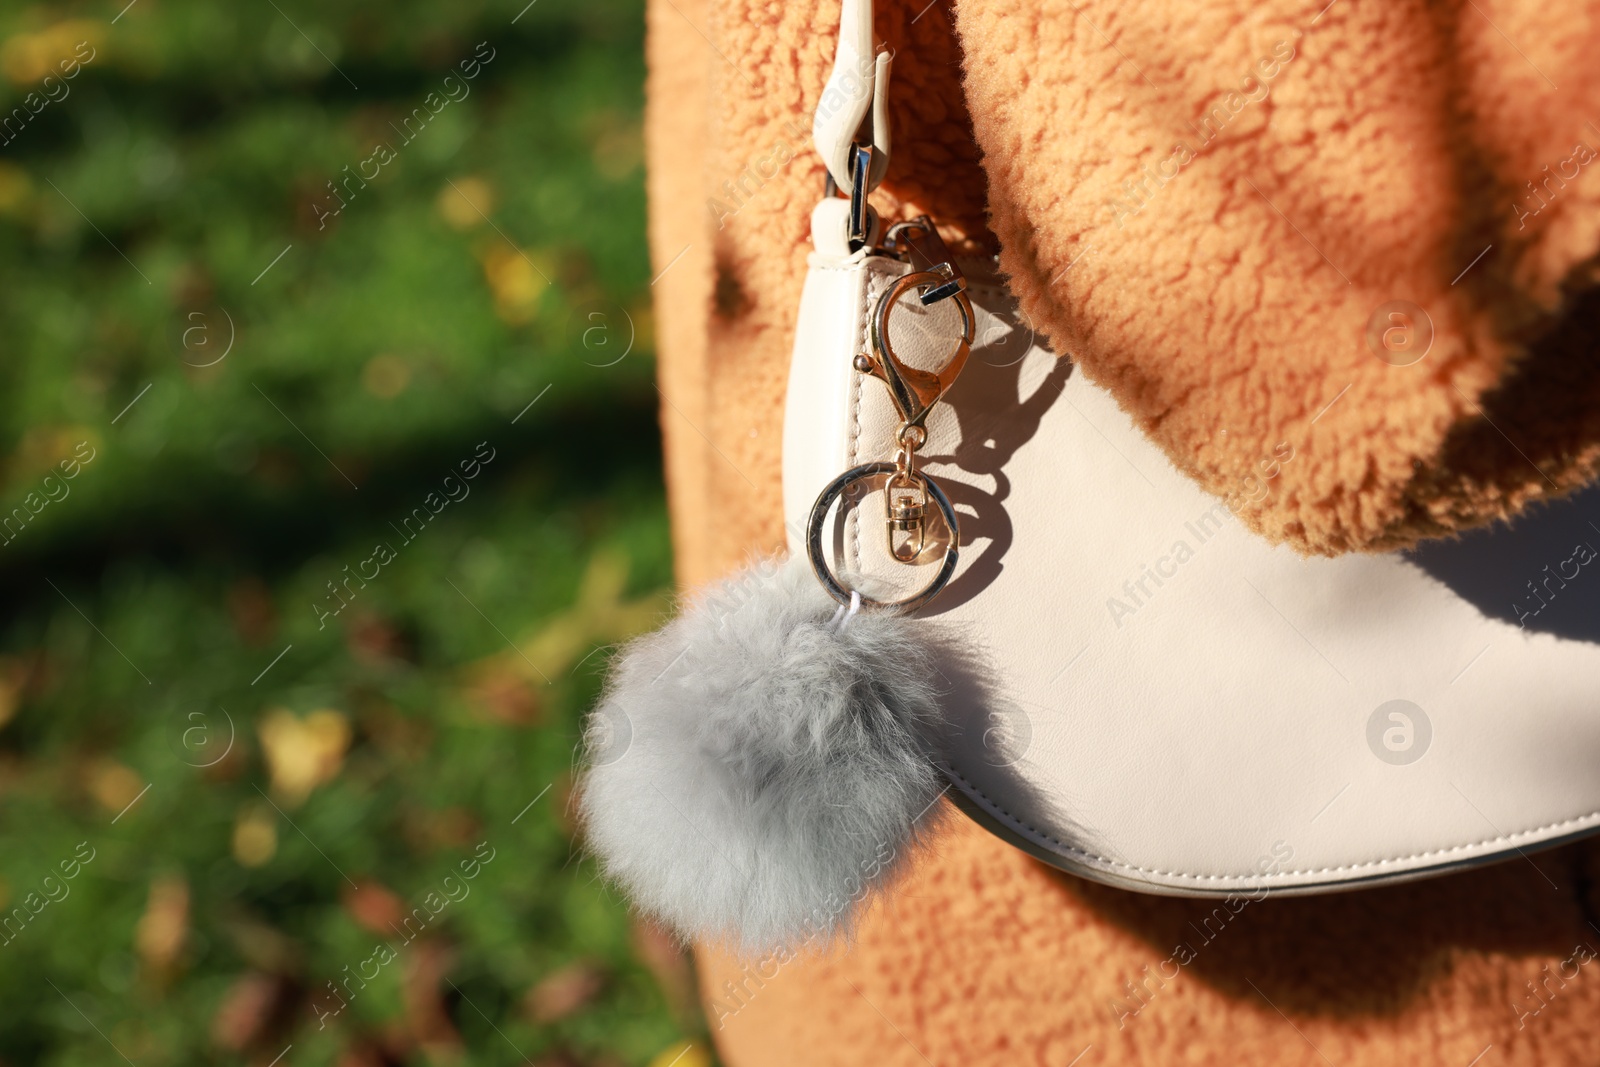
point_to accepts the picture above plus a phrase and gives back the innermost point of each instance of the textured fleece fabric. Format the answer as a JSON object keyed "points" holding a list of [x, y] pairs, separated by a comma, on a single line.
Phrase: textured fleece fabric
{"points": [[1206, 204], [1209, 206]]}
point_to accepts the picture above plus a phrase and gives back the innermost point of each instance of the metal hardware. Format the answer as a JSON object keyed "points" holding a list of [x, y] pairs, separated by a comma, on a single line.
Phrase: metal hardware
{"points": [[854, 143], [918, 242], [905, 498], [905, 511], [819, 516], [913, 391], [862, 218], [955, 283]]}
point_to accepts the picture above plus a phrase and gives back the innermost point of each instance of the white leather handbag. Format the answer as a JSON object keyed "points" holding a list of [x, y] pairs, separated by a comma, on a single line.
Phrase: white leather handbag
{"points": [[1185, 709]]}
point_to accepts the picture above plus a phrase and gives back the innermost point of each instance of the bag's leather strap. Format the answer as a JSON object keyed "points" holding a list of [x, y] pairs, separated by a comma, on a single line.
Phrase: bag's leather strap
{"points": [[858, 88]]}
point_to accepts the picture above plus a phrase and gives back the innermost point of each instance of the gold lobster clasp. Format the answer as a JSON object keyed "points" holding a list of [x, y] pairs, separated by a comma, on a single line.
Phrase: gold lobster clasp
{"points": [[913, 391]]}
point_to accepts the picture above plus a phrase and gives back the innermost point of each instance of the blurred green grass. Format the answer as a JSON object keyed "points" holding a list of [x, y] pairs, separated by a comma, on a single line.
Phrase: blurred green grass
{"points": [[268, 786]]}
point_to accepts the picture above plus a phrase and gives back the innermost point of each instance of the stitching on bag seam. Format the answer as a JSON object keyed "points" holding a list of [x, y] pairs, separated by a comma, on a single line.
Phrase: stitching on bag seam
{"points": [[1040, 837], [858, 343]]}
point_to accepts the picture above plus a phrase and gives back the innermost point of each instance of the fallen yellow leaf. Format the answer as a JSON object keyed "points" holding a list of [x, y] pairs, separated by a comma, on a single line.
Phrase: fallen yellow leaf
{"points": [[465, 202], [161, 930], [303, 753], [255, 835], [114, 785]]}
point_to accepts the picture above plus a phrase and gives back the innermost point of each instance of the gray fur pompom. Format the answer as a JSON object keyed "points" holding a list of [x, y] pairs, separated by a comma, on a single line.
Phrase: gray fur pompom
{"points": [[755, 768]]}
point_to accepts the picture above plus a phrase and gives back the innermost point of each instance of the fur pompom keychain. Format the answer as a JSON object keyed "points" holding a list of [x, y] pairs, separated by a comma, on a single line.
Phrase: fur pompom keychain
{"points": [[762, 762]]}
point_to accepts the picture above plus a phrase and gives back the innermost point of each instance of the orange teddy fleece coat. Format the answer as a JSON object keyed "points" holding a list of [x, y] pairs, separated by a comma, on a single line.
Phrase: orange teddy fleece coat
{"points": [[1217, 208]]}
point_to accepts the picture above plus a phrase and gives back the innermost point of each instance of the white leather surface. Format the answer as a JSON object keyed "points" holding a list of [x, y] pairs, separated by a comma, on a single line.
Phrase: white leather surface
{"points": [[1215, 737]]}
